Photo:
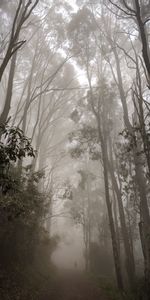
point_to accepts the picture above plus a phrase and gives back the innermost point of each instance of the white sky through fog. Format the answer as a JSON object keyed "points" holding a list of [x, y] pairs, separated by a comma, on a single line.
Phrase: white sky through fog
{"points": [[80, 73], [73, 4]]}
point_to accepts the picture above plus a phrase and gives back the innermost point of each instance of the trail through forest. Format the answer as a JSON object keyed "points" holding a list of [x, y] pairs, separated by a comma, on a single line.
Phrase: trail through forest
{"points": [[74, 285]]}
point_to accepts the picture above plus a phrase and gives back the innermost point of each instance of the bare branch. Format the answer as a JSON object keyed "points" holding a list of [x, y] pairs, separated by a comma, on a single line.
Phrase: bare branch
{"points": [[128, 7], [121, 9]]}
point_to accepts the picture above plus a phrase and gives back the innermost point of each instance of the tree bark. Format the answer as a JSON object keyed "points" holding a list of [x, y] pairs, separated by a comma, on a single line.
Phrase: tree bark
{"points": [[22, 14], [144, 40], [116, 255], [140, 179], [7, 104], [130, 265]]}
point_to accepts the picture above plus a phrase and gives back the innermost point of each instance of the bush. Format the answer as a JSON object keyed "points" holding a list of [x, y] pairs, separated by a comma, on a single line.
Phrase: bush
{"points": [[25, 247]]}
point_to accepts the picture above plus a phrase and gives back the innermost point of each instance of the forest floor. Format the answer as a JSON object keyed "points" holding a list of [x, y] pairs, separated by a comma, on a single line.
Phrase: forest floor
{"points": [[79, 286]]}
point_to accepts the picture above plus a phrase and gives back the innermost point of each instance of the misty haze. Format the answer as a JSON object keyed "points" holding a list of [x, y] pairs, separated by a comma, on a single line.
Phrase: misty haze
{"points": [[75, 150]]}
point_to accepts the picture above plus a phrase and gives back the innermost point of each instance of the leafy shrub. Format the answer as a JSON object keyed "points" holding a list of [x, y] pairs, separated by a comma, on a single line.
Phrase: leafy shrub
{"points": [[25, 246]]}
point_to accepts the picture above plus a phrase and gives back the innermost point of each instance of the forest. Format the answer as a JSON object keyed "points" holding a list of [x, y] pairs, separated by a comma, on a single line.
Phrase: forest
{"points": [[75, 150]]}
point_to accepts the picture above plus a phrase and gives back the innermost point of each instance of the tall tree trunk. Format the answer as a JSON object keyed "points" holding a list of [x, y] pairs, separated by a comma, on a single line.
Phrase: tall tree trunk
{"points": [[104, 151], [7, 104], [27, 103], [28, 100], [116, 255], [130, 263], [144, 39], [115, 211], [89, 215], [140, 181]]}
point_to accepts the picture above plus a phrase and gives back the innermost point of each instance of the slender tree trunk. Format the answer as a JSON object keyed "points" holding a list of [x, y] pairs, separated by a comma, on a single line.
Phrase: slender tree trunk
{"points": [[144, 39], [109, 208], [130, 263], [115, 210], [140, 181], [7, 104], [27, 101], [89, 215], [85, 237], [104, 151]]}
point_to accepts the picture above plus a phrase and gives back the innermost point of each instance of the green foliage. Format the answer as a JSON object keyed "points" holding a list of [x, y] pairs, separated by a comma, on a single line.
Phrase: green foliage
{"points": [[16, 199], [13, 145], [75, 116], [80, 31], [68, 193], [86, 139]]}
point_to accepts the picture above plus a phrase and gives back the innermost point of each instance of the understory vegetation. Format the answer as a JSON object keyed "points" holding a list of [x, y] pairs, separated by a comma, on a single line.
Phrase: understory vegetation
{"points": [[26, 271]]}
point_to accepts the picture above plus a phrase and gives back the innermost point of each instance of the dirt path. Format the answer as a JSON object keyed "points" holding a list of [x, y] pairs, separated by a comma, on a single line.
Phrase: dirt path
{"points": [[77, 286]]}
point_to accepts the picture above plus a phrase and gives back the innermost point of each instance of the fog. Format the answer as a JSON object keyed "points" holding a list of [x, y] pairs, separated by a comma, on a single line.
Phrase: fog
{"points": [[75, 149]]}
